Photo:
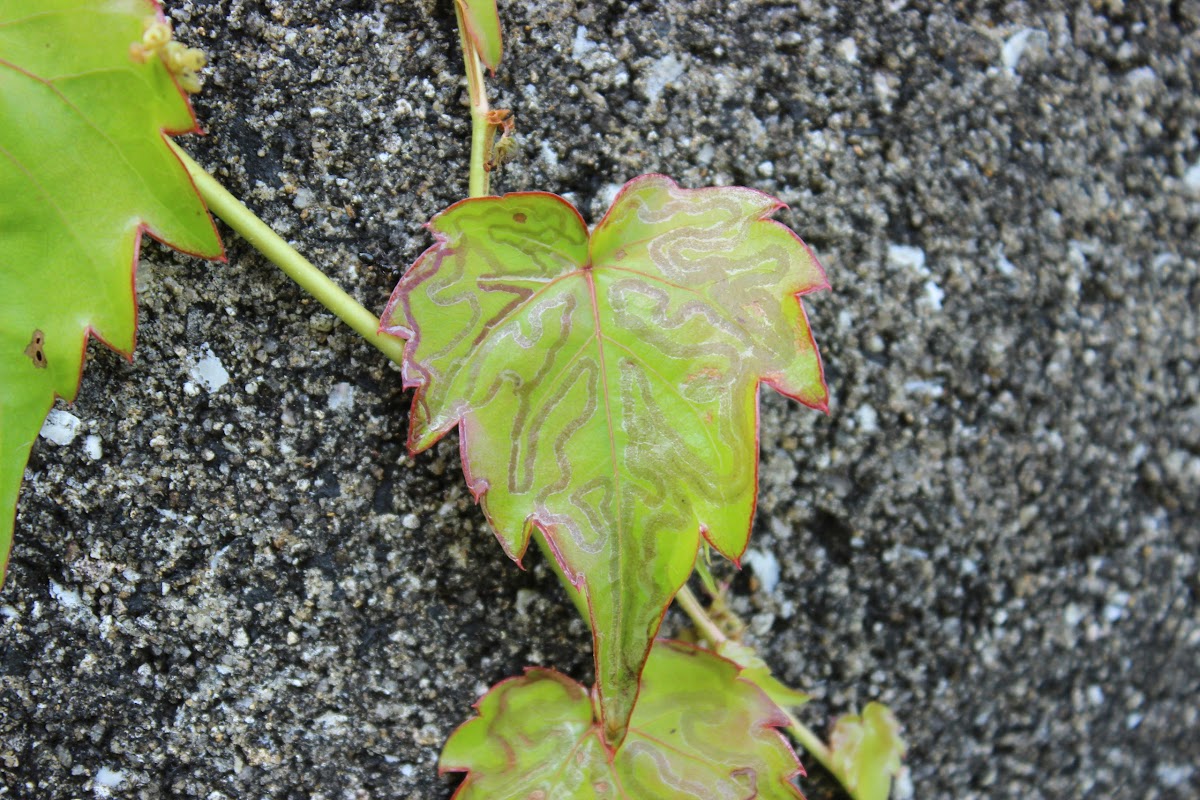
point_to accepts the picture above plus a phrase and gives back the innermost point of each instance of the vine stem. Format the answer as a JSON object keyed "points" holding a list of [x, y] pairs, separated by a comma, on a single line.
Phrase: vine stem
{"points": [[813, 745], [711, 632], [260, 236], [481, 129], [705, 624]]}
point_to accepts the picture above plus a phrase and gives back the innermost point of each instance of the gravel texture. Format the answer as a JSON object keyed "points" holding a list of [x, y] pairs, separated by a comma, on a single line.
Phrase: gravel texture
{"points": [[248, 589]]}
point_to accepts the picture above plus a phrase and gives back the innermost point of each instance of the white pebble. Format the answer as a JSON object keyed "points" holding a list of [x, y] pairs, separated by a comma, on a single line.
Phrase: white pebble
{"points": [[1014, 48], [933, 295], [867, 419], [762, 623], [848, 49], [1173, 776], [341, 397], [1191, 180], [1004, 266], [582, 44], [208, 371], [60, 427], [662, 73], [608, 193], [924, 388], [525, 597], [766, 568], [303, 199], [92, 448], [1142, 78], [106, 780], [68, 598], [907, 257]]}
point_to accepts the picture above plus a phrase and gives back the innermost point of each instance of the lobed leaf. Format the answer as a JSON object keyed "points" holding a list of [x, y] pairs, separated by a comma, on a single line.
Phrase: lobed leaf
{"points": [[866, 751], [606, 386], [483, 26], [698, 732], [85, 170]]}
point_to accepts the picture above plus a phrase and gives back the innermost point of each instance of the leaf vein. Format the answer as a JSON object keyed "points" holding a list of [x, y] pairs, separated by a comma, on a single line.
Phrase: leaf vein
{"points": [[708, 301], [50, 201], [170, 208], [514, 312], [674, 390]]}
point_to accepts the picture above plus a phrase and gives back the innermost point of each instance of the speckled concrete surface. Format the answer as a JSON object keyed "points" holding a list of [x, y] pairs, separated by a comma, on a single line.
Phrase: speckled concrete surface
{"points": [[250, 591]]}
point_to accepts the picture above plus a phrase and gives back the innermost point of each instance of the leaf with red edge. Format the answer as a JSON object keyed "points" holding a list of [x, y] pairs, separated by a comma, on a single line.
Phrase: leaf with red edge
{"points": [[865, 752], [606, 385], [755, 670], [699, 732], [85, 170], [483, 26]]}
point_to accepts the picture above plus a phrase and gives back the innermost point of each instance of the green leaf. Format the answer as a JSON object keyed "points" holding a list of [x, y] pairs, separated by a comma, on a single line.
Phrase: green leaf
{"points": [[698, 733], [607, 386], [483, 26], [84, 171], [755, 670], [866, 751]]}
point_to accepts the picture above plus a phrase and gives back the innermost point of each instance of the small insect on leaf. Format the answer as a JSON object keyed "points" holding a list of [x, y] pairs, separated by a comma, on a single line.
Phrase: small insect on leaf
{"points": [[505, 147]]}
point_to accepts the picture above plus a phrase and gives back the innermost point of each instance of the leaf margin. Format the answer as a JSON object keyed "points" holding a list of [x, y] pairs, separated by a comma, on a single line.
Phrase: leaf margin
{"points": [[776, 722], [482, 18], [12, 472], [416, 378]]}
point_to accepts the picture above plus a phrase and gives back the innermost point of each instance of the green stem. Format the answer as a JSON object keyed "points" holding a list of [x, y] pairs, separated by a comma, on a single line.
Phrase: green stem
{"points": [[813, 744], [705, 624], [298, 268], [704, 571], [481, 130], [711, 632]]}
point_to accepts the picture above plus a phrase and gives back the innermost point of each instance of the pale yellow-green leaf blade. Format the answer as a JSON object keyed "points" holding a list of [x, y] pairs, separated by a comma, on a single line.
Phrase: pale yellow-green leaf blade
{"points": [[606, 386], [85, 170]]}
